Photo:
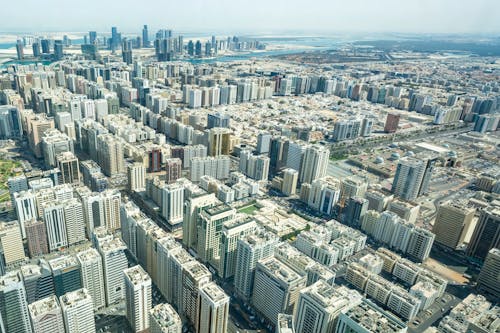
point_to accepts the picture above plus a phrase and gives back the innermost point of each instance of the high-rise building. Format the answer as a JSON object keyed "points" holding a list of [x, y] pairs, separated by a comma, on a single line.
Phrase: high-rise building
{"points": [[453, 221], [315, 163], [110, 154], [290, 179], [263, 143], [78, 311], [14, 314], [489, 278], [46, 315], [164, 319], [37, 124], [192, 277], [10, 122], [210, 231], [145, 36], [218, 120], [136, 174], [232, 230], [138, 298], [219, 141], [213, 309], [37, 238], [412, 177], [276, 288], [66, 273], [193, 206], [20, 49], [67, 163], [53, 216], [38, 280], [114, 262], [172, 203], [354, 211], [319, 305], [366, 317], [486, 235], [285, 324], [54, 143], [391, 123], [11, 244], [25, 208], [250, 250], [111, 200], [352, 187], [75, 223], [420, 244], [92, 276], [173, 167]]}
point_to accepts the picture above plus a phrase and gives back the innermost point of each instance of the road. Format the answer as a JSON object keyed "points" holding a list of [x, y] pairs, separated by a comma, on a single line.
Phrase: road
{"points": [[437, 310]]}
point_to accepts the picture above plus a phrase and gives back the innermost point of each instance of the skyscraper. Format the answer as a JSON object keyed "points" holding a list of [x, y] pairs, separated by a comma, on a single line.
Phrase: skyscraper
{"points": [[172, 203], [20, 49], [38, 280], [290, 178], [263, 143], [219, 141], [46, 315], [136, 173], [92, 276], [210, 231], [11, 243], [164, 319], [489, 278], [276, 288], [319, 305], [315, 163], [67, 162], [37, 238], [452, 223], [173, 167], [214, 309], [412, 177], [110, 154], [145, 36], [391, 123], [193, 206], [138, 297], [14, 315], [78, 311], [232, 231], [66, 273], [114, 262], [486, 235], [250, 250]]}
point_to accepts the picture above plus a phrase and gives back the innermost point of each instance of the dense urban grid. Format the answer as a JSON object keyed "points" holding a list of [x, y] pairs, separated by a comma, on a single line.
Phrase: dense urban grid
{"points": [[151, 185]]}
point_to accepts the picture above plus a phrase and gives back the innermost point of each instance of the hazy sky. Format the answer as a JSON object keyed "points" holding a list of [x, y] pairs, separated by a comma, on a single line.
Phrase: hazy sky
{"points": [[261, 16]]}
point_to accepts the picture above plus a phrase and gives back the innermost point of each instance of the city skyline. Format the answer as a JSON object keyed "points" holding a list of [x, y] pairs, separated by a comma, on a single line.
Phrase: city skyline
{"points": [[280, 17]]}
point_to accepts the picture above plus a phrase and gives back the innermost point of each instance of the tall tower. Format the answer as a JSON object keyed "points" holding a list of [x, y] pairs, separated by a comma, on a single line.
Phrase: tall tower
{"points": [[172, 203], [111, 200], [136, 173], [290, 178], [173, 167], [138, 298], [276, 288], [453, 221], [250, 250], [319, 305], [190, 223], [315, 163], [11, 243], [110, 154], [46, 315], [67, 162], [67, 274], [114, 262], [489, 279], [78, 311], [92, 276], [145, 36], [53, 215], [214, 309], [210, 231], [164, 319], [486, 235], [14, 316], [409, 178], [25, 208]]}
